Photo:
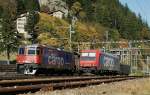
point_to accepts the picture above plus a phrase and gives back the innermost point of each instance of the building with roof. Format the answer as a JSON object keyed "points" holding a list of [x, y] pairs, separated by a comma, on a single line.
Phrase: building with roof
{"points": [[21, 22]]}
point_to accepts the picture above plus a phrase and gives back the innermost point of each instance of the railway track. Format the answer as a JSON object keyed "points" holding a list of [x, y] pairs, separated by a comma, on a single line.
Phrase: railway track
{"points": [[14, 76], [7, 67], [8, 72], [19, 86]]}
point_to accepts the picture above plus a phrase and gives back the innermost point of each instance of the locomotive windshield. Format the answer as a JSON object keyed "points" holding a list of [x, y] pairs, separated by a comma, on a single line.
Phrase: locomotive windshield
{"points": [[88, 56], [33, 51]]}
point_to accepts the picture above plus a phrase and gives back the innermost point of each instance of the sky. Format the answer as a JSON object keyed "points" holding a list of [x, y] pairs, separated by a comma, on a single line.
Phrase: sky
{"points": [[141, 7]]}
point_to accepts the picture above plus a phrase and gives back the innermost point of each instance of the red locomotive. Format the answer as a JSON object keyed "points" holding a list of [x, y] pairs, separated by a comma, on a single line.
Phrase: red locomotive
{"points": [[97, 61], [32, 59]]}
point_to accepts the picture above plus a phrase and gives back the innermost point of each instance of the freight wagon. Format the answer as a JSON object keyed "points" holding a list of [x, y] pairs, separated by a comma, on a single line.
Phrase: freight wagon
{"points": [[32, 59], [124, 69]]}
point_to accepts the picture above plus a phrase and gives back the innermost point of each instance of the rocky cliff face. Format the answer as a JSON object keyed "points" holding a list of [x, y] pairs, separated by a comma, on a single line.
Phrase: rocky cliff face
{"points": [[55, 5]]}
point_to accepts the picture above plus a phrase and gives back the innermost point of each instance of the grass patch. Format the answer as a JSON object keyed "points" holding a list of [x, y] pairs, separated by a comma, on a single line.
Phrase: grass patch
{"points": [[137, 73], [3, 56]]}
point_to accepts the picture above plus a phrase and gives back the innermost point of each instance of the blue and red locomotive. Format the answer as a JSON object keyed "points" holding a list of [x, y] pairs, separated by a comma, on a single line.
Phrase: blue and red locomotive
{"points": [[99, 62], [32, 59]]}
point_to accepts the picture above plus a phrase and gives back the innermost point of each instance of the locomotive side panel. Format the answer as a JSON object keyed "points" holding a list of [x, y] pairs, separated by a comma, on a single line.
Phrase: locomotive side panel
{"points": [[55, 59], [109, 62], [34, 59]]}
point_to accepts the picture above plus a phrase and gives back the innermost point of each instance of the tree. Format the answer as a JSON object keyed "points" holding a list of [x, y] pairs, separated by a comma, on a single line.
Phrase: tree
{"points": [[20, 7], [88, 8], [145, 33], [1, 11], [32, 20], [45, 9], [76, 9], [114, 35], [32, 7], [69, 3], [8, 33]]}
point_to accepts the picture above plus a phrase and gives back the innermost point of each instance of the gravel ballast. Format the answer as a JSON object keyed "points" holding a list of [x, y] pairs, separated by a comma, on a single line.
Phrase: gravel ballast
{"points": [[129, 87]]}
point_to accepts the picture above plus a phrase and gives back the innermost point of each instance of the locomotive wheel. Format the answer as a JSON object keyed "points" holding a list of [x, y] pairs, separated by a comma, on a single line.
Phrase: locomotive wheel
{"points": [[20, 69], [29, 71]]}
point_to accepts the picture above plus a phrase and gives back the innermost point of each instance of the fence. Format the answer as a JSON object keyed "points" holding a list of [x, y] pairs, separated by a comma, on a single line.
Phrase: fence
{"points": [[137, 58]]}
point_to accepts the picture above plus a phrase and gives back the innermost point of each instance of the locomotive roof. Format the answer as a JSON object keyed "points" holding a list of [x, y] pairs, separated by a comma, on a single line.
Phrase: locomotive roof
{"points": [[92, 50], [47, 46], [34, 45], [37, 45], [105, 53]]}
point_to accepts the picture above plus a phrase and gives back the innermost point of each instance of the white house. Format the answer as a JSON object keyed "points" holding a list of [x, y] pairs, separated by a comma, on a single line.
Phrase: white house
{"points": [[58, 14], [21, 22]]}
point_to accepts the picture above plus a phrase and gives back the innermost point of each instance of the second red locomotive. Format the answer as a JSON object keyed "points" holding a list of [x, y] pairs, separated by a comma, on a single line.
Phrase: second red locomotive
{"points": [[97, 61]]}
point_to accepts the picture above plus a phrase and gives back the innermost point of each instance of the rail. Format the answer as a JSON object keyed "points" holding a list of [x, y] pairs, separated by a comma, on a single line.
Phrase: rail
{"points": [[60, 83]]}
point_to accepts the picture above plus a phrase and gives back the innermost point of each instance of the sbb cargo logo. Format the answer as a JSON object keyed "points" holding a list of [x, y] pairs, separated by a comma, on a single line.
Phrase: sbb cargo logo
{"points": [[108, 62], [53, 59]]}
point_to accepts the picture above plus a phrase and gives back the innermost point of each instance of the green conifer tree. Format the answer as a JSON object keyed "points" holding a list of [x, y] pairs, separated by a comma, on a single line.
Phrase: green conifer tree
{"points": [[8, 34], [32, 7]]}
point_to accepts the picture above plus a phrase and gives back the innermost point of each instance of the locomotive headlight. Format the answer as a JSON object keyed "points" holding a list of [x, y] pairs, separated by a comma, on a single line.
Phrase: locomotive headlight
{"points": [[26, 61], [33, 61]]}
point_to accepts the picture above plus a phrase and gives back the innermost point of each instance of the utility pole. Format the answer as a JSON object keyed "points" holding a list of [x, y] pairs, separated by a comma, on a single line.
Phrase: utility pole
{"points": [[70, 38], [147, 64], [71, 31], [106, 36], [106, 47], [130, 46]]}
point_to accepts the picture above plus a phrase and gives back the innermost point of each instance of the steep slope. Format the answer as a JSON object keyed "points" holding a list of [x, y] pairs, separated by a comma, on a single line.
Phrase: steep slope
{"points": [[55, 31]]}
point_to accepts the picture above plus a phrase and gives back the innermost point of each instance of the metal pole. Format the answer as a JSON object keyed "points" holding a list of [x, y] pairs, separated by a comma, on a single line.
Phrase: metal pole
{"points": [[130, 46], [137, 60], [78, 47], [128, 59], [106, 36], [70, 37], [107, 40], [71, 31], [147, 64]]}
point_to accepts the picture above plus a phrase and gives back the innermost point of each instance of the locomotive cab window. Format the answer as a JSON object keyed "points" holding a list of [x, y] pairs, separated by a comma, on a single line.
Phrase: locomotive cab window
{"points": [[38, 51], [21, 50], [88, 56], [33, 51]]}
